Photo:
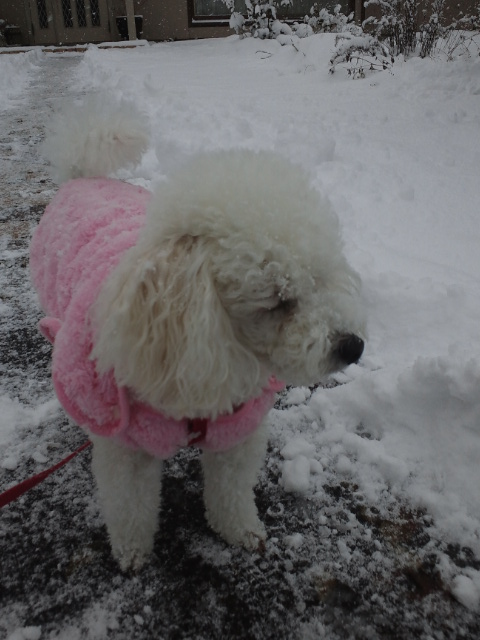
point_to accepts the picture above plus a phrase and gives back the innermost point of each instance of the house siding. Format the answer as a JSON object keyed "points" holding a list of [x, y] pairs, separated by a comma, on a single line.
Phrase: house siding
{"points": [[161, 19]]}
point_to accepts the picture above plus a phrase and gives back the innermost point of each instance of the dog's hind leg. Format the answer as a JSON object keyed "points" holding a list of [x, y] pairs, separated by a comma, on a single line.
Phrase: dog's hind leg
{"points": [[129, 484], [228, 493]]}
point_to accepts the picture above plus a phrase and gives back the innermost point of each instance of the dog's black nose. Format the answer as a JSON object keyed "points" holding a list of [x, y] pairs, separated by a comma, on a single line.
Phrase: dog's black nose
{"points": [[349, 349]]}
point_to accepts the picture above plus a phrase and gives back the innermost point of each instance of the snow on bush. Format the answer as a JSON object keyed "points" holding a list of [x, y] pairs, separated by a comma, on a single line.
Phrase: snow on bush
{"points": [[359, 53], [459, 37], [323, 21], [261, 21], [374, 45], [396, 25]]}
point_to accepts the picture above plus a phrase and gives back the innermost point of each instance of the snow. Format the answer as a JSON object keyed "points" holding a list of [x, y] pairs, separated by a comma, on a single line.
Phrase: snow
{"points": [[14, 75], [17, 417], [27, 633], [397, 154], [467, 590], [296, 474]]}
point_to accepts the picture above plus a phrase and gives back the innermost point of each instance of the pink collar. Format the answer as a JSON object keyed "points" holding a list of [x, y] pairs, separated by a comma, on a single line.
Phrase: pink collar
{"points": [[140, 426]]}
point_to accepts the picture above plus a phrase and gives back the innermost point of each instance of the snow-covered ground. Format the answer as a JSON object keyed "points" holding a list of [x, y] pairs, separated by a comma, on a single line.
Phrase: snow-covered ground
{"points": [[398, 155]]}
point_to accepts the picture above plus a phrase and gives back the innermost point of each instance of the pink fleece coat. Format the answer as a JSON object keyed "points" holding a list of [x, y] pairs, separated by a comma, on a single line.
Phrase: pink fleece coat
{"points": [[81, 238]]}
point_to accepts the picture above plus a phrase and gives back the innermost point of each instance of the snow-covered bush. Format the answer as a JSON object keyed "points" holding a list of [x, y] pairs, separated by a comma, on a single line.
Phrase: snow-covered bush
{"points": [[237, 22], [458, 42], [323, 21], [433, 30], [457, 36], [397, 24], [260, 20], [360, 53], [396, 32], [264, 21], [302, 29], [374, 45]]}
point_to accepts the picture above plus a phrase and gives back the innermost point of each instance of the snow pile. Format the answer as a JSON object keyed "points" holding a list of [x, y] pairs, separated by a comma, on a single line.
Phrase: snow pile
{"points": [[467, 589], [26, 633], [14, 74], [417, 431], [299, 463], [17, 419]]}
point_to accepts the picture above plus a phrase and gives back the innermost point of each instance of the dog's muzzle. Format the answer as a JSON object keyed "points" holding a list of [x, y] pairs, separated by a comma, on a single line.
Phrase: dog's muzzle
{"points": [[349, 349]]}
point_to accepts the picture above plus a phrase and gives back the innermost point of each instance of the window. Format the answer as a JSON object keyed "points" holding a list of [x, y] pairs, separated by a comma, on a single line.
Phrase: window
{"points": [[210, 9], [95, 11], [42, 14], [205, 10], [81, 15], [67, 14]]}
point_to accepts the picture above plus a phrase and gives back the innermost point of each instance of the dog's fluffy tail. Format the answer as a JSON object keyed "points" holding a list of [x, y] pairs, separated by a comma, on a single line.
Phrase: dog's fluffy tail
{"points": [[95, 139]]}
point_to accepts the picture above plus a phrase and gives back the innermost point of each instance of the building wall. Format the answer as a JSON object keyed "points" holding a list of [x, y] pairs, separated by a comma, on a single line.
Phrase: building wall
{"points": [[451, 10], [24, 14], [162, 20], [14, 14], [172, 20]]}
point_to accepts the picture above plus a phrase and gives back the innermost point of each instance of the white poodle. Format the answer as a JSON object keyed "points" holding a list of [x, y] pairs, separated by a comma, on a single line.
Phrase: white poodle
{"points": [[175, 315]]}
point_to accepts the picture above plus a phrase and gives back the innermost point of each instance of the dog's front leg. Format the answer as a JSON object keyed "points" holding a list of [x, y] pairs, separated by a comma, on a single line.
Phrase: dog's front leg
{"points": [[228, 493], [129, 484]]}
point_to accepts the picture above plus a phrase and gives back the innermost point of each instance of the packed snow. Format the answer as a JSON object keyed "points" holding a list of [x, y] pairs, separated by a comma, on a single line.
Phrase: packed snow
{"points": [[397, 154], [15, 74]]}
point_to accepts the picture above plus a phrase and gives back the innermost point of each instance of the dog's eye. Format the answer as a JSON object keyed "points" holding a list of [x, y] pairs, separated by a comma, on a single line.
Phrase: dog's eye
{"points": [[285, 305]]}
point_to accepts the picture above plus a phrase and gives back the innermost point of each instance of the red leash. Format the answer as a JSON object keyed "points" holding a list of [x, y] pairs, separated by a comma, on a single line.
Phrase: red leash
{"points": [[18, 490]]}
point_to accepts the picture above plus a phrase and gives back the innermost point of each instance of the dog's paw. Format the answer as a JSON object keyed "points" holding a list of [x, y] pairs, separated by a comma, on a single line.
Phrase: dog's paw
{"points": [[254, 541], [250, 536], [130, 560]]}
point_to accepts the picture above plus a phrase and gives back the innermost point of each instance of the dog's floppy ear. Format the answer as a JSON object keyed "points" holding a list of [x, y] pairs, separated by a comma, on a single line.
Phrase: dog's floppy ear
{"points": [[163, 330]]}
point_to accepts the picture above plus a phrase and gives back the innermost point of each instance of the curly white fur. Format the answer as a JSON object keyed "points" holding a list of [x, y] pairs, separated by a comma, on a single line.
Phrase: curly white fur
{"points": [[238, 275], [93, 140], [240, 263]]}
